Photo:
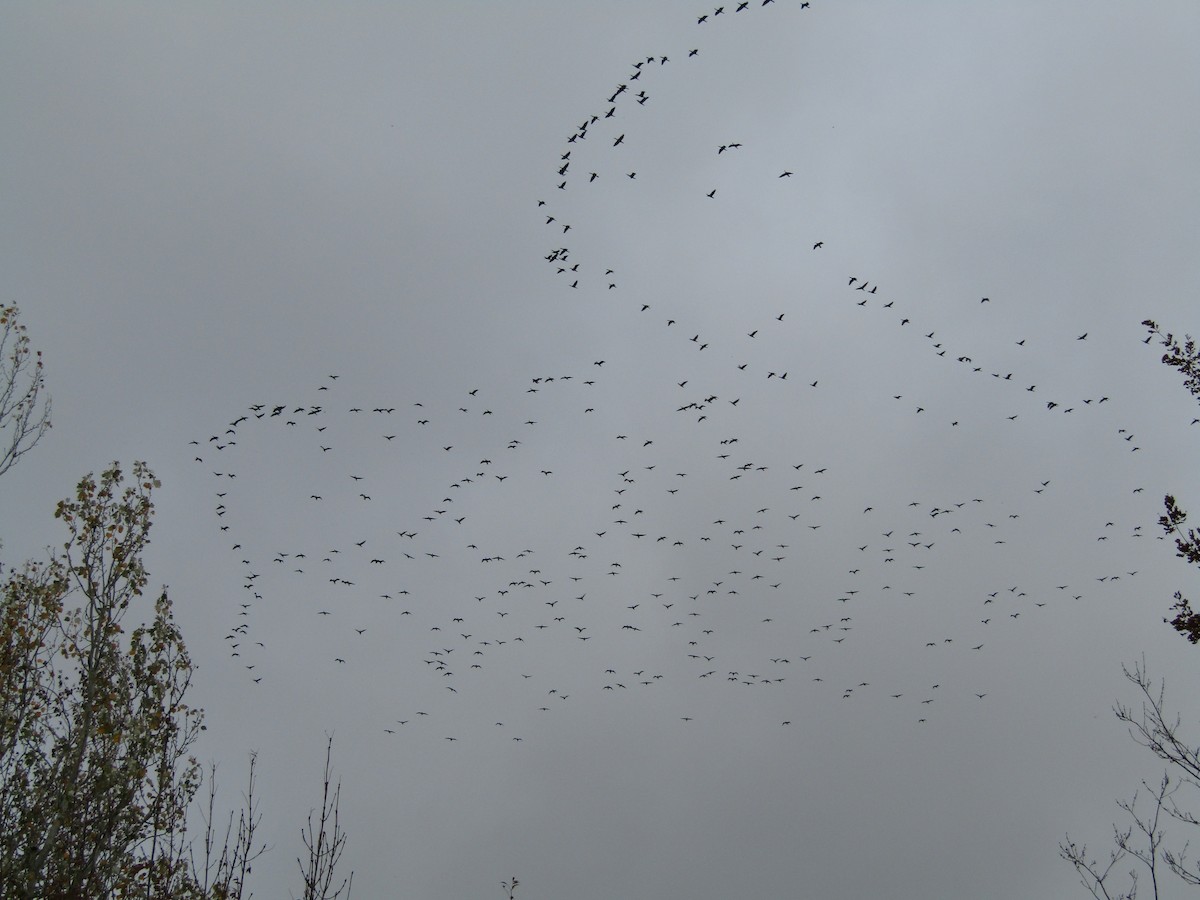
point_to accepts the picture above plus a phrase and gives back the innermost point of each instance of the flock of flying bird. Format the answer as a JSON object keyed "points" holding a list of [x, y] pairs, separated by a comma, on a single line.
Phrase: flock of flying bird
{"points": [[536, 541]]}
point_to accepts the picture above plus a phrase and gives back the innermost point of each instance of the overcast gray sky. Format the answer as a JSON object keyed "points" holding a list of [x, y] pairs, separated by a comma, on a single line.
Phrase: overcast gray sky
{"points": [[705, 561]]}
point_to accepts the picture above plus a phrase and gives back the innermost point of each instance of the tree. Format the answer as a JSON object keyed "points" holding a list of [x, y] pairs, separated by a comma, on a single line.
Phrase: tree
{"points": [[1187, 545], [1185, 357], [24, 403], [1145, 843], [97, 779]]}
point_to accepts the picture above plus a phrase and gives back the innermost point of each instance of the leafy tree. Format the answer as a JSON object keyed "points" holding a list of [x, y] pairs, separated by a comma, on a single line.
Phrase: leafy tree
{"points": [[95, 777]]}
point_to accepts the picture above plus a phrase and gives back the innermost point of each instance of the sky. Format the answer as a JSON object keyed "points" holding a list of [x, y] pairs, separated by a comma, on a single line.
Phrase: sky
{"points": [[672, 458]]}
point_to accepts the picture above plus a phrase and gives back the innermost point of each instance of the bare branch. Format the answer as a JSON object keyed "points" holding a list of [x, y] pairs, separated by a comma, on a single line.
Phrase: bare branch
{"points": [[325, 842], [24, 403], [221, 872], [1150, 811], [1092, 876]]}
